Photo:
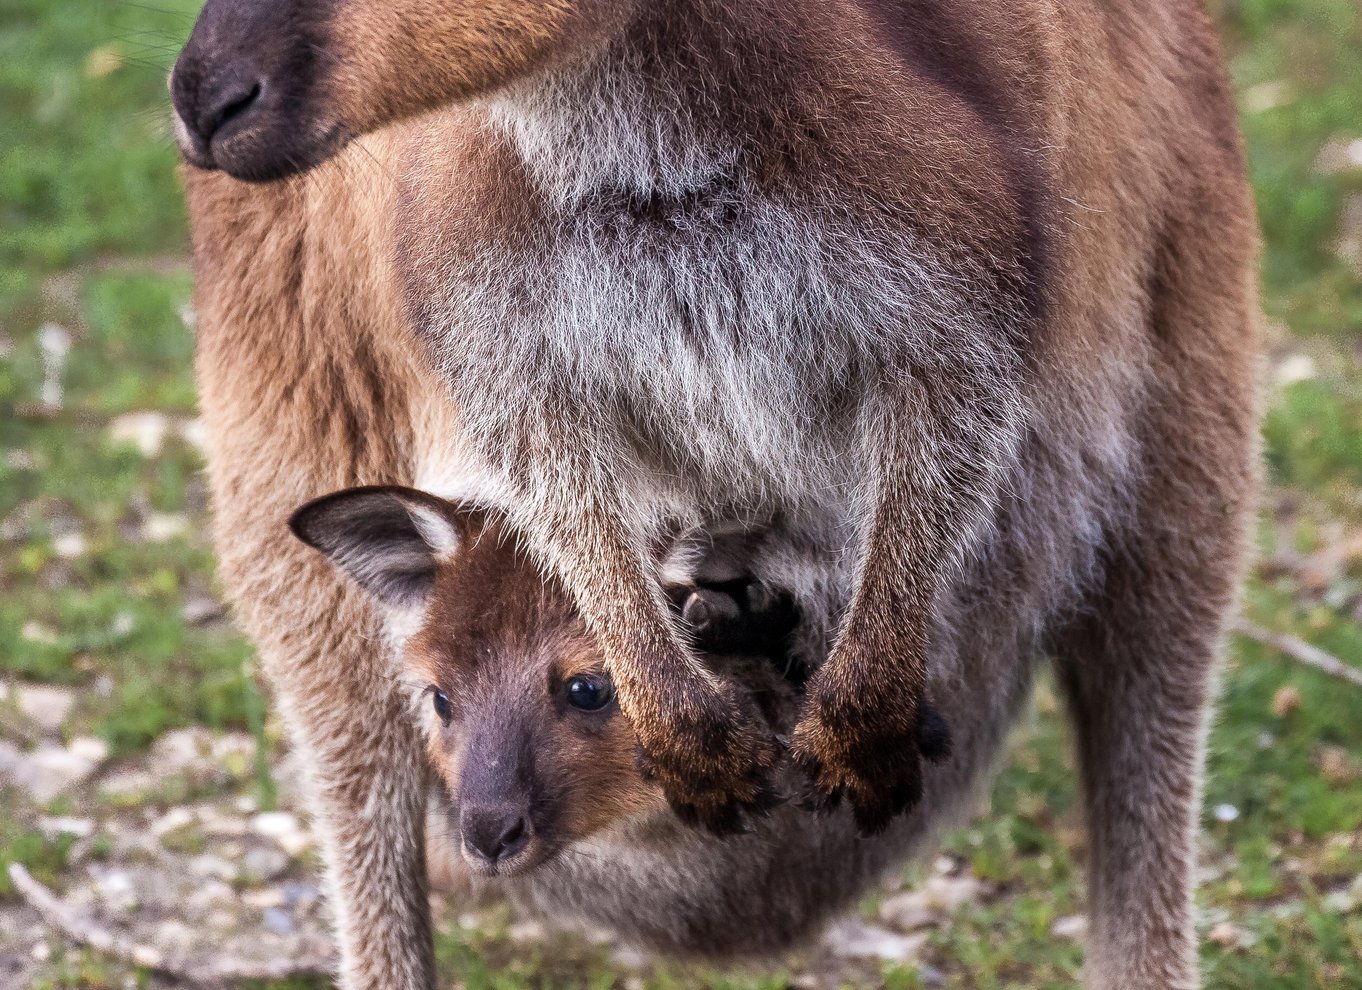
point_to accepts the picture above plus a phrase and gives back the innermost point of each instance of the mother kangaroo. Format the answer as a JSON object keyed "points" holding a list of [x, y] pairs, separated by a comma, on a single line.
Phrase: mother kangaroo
{"points": [[953, 297]]}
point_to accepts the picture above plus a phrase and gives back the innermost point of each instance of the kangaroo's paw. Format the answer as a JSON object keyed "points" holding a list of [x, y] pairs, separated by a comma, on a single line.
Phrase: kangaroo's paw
{"points": [[713, 756], [865, 756]]}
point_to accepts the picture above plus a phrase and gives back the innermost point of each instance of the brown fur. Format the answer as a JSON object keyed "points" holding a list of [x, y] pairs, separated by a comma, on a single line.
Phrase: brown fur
{"points": [[499, 627], [1075, 165]]}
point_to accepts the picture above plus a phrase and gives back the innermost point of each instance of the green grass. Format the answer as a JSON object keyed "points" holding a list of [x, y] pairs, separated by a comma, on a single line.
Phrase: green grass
{"points": [[82, 92], [92, 239], [42, 857], [1298, 67]]}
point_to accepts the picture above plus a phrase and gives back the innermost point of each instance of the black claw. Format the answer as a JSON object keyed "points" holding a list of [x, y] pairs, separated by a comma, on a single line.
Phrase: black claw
{"points": [[688, 814], [871, 822], [933, 734], [721, 819], [868, 823], [873, 819]]}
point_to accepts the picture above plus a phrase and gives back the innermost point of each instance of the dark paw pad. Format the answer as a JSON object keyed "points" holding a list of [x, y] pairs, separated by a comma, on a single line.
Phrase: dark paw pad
{"points": [[737, 619]]}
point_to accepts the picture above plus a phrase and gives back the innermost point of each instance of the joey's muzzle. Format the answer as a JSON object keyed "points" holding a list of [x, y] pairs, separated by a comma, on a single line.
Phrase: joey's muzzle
{"points": [[505, 816], [495, 834]]}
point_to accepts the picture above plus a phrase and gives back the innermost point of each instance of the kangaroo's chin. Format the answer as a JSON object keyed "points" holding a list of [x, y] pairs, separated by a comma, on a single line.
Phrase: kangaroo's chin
{"points": [[266, 152]]}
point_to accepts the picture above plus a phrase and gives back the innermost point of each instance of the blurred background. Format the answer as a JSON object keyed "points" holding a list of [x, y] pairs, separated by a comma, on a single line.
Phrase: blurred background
{"points": [[144, 783]]}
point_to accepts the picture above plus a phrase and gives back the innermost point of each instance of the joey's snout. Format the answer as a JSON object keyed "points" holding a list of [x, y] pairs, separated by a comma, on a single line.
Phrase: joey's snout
{"points": [[494, 835], [503, 810]]}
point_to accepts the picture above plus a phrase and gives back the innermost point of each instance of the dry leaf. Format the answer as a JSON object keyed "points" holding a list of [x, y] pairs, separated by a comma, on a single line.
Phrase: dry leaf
{"points": [[1285, 701], [103, 61]]}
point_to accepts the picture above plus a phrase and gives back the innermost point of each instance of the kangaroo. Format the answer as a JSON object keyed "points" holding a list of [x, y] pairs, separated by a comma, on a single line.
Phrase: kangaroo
{"points": [[537, 781], [954, 298]]}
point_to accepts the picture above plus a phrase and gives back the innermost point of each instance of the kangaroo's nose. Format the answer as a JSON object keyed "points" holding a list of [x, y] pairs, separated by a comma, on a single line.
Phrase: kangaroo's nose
{"points": [[494, 833], [209, 102]]}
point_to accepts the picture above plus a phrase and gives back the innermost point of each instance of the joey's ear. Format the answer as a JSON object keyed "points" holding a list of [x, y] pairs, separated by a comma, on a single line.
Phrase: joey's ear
{"points": [[388, 539]]}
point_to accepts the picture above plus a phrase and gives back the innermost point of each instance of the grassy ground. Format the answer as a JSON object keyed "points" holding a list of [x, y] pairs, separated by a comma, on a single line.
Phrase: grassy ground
{"points": [[105, 573]]}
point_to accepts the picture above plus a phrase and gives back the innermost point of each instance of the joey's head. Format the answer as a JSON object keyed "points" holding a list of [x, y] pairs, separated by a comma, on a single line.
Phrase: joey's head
{"points": [[269, 88], [522, 725]]}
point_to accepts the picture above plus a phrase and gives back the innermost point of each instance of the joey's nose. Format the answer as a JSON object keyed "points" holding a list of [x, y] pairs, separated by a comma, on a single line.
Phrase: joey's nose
{"points": [[494, 834], [210, 104]]}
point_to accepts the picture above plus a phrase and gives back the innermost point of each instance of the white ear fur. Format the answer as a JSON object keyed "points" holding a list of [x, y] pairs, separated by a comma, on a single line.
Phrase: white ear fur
{"points": [[435, 528]]}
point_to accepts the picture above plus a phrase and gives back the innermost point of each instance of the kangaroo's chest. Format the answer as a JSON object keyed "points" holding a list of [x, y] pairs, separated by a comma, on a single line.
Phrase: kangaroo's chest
{"points": [[707, 332], [711, 339], [718, 338]]}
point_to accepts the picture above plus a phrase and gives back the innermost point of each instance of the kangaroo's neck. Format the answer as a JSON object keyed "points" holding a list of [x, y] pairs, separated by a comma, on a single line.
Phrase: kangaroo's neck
{"points": [[688, 97]]}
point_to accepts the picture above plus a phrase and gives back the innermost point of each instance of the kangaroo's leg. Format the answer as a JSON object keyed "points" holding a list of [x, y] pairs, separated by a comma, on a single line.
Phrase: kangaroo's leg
{"points": [[941, 444], [1139, 675], [326, 660], [1138, 666], [348, 716], [367, 778]]}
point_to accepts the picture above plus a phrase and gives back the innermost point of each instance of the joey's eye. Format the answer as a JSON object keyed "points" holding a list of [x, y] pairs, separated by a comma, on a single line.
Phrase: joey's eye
{"points": [[441, 702], [590, 693]]}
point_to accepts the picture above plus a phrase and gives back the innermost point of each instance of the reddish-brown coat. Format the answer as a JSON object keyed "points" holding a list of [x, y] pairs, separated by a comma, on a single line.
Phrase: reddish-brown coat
{"points": [[1088, 149]]}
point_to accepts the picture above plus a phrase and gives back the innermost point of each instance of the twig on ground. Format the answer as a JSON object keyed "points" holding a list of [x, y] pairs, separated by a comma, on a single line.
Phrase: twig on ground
{"points": [[1299, 650], [205, 971], [38, 412]]}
